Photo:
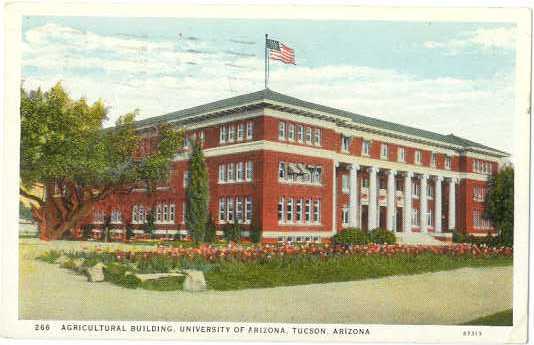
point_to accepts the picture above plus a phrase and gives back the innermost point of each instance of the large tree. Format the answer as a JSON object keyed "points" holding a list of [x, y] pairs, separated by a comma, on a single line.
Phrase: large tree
{"points": [[196, 211], [67, 153], [500, 204]]}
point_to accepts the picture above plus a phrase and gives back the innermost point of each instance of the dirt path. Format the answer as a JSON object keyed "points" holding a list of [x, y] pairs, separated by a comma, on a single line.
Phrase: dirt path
{"points": [[450, 297]]}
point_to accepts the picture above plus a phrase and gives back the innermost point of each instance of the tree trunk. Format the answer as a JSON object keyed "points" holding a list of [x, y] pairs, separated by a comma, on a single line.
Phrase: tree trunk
{"points": [[53, 224]]}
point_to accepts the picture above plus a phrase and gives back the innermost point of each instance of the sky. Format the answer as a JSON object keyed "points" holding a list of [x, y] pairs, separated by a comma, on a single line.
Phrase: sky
{"points": [[445, 77]]}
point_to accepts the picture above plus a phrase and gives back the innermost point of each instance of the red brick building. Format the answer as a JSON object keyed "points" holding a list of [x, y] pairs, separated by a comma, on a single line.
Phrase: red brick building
{"points": [[308, 171]]}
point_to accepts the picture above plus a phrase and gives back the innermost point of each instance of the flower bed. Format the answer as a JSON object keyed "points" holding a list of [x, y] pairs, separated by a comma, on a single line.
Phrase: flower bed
{"points": [[236, 267]]}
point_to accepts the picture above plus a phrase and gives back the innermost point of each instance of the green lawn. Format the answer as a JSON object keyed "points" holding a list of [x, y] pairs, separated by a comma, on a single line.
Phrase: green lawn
{"points": [[504, 318], [310, 270]]}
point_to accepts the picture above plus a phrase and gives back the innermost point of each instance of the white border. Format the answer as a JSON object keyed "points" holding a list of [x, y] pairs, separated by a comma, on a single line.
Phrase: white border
{"points": [[9, 253]]}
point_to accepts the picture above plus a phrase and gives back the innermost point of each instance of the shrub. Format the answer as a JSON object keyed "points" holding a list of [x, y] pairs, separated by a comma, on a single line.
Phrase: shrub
{"points": [[232, 232], [50, 256], [382, 236], [116, 274], [211, 231], [156, 264], [351, 236]]}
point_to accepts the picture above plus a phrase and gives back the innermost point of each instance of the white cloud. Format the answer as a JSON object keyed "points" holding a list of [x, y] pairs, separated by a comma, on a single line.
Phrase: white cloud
{"points": [[160, 81], [496, 38]]}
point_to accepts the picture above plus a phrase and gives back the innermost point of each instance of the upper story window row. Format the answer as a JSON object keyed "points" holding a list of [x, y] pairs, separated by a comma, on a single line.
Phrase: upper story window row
{"points": [[192, 137], [236, 132], [385, 150], [299, 173], [291, 132], [481, 167], [236, 172]]}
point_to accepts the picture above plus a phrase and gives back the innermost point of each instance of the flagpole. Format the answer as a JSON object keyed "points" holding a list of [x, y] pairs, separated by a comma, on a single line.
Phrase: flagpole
{"points": [[266, 64]]}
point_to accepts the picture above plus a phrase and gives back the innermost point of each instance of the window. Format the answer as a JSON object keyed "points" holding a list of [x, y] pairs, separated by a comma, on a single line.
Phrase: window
{"points": [[116, 217], [345, 143], [223, 134], [399, 185], [365, 182], [158, 213], [222, 209], [316, 211], [239, 209], [98, 216], [416, 190], [135, 215], [366, 148], [415, 217], [345, 183], [187, 178], [430, 192], [250, 171], [316, 175], [230, 172], [317, 137], [281, 210], [231, 134], [241, 132], [230, 209], [183, 212], [307, 212], [448, 162], [401, 154], [172, 213], [187, 142], [281, 171], [345, 215], [300, 133], [430, 218], [222, 173], [165, 213], [434, 159], [282, 130], [248, 209], [240, 171], [289, 210], [291, 132], [298, 211], [383, 151], [250, 130], [418, 157], [308, 135]]}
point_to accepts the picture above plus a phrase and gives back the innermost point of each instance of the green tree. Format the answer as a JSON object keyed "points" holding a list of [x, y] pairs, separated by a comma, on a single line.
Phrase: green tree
{"points": [[500, 204], [66, 151], [255, 232], [197, 194], [211, 230], [150, 225]]}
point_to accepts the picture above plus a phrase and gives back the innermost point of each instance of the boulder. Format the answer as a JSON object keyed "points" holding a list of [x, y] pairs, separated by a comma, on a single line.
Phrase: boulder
{"points": [[194, 281], [154, 276], [96, 273]]}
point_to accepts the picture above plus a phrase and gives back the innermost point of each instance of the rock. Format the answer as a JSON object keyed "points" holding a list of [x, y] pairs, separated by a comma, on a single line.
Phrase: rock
{"points": [[194, 281], [154, 276], [96, 273]]}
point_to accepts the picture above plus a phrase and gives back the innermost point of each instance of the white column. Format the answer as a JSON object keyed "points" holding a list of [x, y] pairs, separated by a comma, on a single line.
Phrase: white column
{"points": [[452, 203], [437, 204], [372, 214], [423, 203], [353, 196], [334, 196], [390, 212], [407, 210]]}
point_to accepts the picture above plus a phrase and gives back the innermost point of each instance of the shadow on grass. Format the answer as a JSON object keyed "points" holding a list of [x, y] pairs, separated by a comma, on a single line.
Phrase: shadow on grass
{"points": [[503, 318]]}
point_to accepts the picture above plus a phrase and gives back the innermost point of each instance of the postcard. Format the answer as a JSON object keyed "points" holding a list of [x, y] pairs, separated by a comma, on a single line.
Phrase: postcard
{"points": [[275, 173]]}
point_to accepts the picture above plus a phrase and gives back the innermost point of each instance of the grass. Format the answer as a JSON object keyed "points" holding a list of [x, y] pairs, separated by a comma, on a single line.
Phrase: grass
{"points": [[50, 256], [503, 318], [311, 270]]}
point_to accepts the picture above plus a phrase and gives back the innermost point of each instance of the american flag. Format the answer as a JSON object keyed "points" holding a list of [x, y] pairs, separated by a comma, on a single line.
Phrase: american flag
{"points": [[281, 52]]}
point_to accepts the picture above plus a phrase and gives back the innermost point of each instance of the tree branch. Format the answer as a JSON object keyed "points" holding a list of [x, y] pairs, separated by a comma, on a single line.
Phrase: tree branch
{"points": [[31, 197]]}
